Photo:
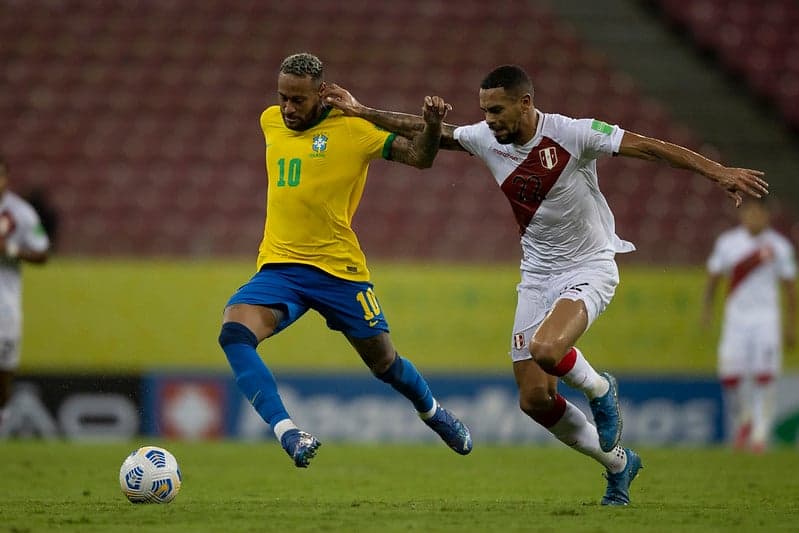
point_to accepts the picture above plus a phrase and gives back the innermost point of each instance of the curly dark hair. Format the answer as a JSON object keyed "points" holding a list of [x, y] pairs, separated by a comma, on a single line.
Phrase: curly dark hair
{"points": [[303, 64]]}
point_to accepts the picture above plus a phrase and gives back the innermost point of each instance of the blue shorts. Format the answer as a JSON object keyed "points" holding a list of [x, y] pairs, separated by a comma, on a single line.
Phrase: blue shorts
{"points": [[348, 306]]}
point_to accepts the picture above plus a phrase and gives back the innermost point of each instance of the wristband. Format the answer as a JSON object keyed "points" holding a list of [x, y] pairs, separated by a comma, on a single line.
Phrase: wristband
{"points": [[12, 249]]}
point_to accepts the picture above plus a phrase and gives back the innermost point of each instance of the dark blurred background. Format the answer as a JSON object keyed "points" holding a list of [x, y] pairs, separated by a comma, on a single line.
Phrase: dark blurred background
{"points": [[136, 122]]}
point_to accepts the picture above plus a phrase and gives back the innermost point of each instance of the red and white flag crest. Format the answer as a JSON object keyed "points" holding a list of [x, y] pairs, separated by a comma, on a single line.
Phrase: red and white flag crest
{"points": [[518, 340], [549, 157]]}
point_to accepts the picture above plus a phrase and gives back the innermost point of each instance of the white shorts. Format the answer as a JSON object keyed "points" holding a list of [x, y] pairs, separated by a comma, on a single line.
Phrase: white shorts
{"points": [[750, 350], [9, 353], [593, 283]]}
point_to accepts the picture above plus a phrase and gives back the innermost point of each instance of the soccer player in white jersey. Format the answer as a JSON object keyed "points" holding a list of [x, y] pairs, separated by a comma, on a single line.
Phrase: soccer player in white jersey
{"points": [[546, 166], [22, 238], [758, 261]]}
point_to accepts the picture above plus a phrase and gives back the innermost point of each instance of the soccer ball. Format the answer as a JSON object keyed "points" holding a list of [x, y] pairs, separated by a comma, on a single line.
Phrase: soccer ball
{"points": [[150, 475]]}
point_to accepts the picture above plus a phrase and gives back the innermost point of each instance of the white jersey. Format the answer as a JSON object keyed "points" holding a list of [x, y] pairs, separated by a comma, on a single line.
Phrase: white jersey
{"points": [[551, 183], [755, 264], [20, 224]]}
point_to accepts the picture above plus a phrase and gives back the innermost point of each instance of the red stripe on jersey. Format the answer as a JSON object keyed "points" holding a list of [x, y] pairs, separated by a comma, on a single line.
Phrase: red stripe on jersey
{"points": [[527, 186], [745, 266]]}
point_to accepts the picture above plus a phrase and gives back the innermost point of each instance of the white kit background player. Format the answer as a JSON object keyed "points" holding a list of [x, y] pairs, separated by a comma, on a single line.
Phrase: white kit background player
{"points": [[22, 238], [758, 262], [545, 164]]}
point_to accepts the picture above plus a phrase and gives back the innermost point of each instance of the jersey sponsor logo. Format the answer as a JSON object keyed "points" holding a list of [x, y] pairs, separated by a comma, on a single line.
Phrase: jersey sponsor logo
{"points": [[506, 155], [602, 127], [319, 145], [549, 157]]}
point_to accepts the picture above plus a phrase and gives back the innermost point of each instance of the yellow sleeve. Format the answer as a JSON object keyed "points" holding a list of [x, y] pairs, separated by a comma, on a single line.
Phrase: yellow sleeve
{"points": [[376, 141]]}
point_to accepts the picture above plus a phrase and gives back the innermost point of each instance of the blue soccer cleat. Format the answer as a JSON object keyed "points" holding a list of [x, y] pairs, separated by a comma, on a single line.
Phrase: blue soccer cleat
{"points": [[451, 430], [300, 446], [618, 491], [607, 415]]}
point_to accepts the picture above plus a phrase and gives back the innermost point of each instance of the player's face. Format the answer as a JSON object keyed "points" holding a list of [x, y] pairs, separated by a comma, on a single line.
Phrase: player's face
{"points": [[299, 100], [754, 217], [503, 113]]}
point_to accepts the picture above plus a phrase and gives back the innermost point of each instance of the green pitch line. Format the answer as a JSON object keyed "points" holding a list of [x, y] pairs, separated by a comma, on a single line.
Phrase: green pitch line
{"points": [[130, 315], [58, 486]]}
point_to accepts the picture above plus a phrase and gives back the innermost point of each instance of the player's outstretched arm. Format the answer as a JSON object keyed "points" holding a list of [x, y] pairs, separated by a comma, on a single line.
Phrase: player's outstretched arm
{"points": [[404, 124], [421, 150], [735, 181]]}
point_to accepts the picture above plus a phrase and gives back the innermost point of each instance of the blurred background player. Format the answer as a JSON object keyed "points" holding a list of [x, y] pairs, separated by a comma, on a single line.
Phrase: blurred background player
{"points": [[22, 238], [546, 166], [317, 160], [758, 262]]}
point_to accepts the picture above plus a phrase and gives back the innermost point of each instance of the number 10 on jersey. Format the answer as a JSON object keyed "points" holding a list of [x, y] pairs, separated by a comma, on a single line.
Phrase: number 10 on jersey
{"points": [[293, 178]]}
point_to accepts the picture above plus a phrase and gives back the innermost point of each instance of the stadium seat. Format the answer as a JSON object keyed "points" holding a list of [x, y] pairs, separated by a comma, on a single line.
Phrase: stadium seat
{"points": [[157, 150]]}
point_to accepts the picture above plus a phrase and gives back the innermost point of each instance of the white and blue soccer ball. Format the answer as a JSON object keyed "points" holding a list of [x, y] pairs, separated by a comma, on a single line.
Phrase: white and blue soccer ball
{"points": [[150, 475]]}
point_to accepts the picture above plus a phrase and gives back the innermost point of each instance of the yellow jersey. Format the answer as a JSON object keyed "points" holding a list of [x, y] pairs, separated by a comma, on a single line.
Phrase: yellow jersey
{"points": [[315, 181]]}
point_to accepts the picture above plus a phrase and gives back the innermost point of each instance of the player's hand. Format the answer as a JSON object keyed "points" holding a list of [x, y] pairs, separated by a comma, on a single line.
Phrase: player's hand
{"points": [[434, 109], [739, 181], [340, 98]]}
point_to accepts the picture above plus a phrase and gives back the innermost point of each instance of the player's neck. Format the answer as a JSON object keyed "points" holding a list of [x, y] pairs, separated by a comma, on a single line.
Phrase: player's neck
{"points": [[528, 128]]}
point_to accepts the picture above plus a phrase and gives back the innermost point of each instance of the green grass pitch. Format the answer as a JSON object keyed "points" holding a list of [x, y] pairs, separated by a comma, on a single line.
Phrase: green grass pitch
{"points": [[117, 315], [59, 486]]}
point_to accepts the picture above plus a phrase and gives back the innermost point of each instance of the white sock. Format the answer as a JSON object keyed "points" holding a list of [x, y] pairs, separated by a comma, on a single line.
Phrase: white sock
{"points": [[283, 426], [763, 406], [576, 372], [737, 411], [574, 430]]}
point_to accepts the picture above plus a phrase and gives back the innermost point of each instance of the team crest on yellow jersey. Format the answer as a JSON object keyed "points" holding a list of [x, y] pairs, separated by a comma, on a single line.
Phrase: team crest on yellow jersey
{"points": [[319, 145]]}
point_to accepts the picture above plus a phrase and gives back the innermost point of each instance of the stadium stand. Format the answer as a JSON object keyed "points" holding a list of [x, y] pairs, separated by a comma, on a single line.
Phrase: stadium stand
{"points": [[757, 41], [140, 118]]}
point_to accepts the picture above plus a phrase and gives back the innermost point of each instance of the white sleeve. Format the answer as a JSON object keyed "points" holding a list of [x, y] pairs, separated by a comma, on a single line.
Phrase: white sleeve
{"points": [[715, 263], [32, 234], [469, 138], [786, 262], [595, 138]]}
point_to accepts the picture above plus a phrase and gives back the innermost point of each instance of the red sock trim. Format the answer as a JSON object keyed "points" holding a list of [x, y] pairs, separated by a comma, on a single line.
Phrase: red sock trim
{"points": [[551, 417], [730, 381], [764, 379], [566, 363]]}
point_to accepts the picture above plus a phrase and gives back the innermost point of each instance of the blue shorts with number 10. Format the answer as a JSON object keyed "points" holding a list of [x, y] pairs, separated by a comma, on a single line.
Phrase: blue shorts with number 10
{"points": [[348, 306]]}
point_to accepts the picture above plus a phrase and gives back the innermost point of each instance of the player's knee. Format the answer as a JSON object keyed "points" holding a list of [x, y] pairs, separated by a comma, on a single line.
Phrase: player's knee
{"points": [[535, 401], [236, 333], [546, 352]]}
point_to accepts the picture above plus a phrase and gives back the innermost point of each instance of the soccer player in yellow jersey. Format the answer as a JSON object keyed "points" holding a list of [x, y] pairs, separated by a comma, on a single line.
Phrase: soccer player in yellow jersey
{"points": [[316, 162]]}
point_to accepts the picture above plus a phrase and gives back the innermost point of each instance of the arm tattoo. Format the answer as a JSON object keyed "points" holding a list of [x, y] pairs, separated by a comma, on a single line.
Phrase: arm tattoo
{"points": [[399, 123]]}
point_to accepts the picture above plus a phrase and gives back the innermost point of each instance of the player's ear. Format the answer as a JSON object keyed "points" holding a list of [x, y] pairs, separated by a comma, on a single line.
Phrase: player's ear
{"points": [[322, 87], [526, 101]]}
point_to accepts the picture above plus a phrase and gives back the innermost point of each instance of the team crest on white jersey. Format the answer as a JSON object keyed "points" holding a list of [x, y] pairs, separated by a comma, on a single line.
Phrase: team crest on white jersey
{"points": [[549, 157]]}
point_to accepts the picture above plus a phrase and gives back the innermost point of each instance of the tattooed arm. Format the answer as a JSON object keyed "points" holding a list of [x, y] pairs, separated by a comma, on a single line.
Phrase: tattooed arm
{"points": [[404, 124]]}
